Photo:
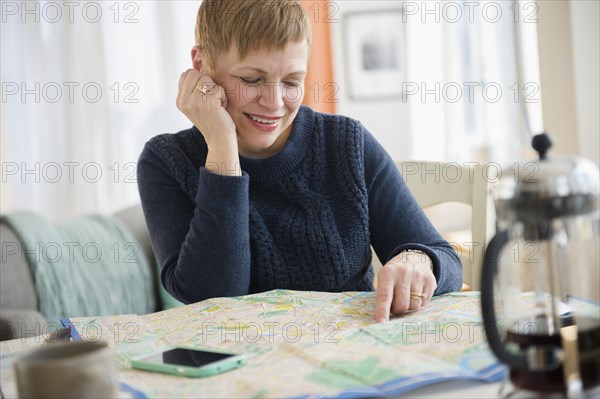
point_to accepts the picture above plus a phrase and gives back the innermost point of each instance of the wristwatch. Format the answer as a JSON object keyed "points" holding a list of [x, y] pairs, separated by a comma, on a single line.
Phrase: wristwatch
{"points": [[418, 251]]}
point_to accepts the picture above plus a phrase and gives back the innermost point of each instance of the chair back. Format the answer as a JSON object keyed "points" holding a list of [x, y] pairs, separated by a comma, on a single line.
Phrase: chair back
{"points": [[433, 183]]}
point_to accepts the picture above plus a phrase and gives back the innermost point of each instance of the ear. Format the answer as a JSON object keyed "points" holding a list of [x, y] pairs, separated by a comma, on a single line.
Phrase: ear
{"points": [[198, 59]]}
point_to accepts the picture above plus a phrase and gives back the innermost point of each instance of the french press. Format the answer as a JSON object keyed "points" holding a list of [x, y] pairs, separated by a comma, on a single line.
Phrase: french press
{"points": [[540, 286]]}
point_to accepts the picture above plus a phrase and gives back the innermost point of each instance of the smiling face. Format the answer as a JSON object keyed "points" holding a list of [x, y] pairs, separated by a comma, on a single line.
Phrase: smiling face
{"points": [[264, 92]]}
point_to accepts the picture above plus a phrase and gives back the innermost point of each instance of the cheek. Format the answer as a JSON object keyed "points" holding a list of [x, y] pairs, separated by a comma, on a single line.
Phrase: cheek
{"points": [[293, 95], [239, 94], [249, 93]]}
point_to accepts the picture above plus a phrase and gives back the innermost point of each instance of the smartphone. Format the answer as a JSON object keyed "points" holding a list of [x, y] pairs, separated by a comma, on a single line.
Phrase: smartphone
{"points": [[189, 362]]}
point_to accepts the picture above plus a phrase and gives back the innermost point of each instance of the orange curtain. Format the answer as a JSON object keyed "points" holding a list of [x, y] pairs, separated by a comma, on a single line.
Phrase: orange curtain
{"points": [[320, 88]]}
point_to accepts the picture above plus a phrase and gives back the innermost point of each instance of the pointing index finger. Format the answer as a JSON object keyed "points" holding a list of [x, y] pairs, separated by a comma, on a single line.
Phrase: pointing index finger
{"points": [[384, 297]]}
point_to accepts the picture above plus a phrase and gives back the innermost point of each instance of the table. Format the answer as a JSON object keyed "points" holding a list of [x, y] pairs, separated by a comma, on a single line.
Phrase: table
{"points": [[305, 344]]}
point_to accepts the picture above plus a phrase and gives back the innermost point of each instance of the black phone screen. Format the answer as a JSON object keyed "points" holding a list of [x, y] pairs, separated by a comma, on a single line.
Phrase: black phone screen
{"points": [[186, 357]]}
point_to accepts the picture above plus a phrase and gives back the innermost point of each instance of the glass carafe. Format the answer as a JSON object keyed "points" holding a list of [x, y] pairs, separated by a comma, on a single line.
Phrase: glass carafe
{"points": [[540, 288]]}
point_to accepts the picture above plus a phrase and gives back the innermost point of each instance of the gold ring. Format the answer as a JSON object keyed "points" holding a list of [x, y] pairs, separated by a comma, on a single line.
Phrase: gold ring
{"points": [[416, 295], [202, 89]]}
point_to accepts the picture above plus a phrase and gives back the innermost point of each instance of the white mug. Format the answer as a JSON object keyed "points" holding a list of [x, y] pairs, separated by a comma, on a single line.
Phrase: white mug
{"points": [[67, 370]]}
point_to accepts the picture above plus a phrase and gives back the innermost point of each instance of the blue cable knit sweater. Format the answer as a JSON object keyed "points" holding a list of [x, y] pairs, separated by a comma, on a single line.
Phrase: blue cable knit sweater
{"points": [[302, 219]]}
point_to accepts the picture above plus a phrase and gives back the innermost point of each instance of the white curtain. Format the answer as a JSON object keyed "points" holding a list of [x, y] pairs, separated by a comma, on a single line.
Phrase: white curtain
{"points": [[469, 58], [84, 86]]}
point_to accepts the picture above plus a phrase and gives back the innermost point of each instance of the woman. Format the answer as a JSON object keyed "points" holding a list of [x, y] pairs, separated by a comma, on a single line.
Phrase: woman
{"points": [[263, 193]]}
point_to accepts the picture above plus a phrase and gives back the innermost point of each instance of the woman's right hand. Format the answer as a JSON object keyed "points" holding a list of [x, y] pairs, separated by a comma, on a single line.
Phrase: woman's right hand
{"points": [[207, 111]]}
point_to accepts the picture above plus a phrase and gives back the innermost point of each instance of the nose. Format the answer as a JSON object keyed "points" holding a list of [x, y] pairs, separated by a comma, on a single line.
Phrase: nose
{"points": [[271, 96]]}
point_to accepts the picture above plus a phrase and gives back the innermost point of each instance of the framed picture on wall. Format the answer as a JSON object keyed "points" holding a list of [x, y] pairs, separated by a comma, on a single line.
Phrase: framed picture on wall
{"points": [[374, 48]]}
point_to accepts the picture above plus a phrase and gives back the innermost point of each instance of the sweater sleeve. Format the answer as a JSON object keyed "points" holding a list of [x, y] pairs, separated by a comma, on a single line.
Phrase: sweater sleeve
{"points": [[397, 222], [203, 249]]}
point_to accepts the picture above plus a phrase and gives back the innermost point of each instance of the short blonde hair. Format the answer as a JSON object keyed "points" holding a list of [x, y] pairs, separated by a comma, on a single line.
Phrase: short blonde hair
{"points": [[249, 25]]}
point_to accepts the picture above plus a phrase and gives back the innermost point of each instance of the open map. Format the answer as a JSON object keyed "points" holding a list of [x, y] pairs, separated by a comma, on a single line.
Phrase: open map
{"points": [[305, 344]]}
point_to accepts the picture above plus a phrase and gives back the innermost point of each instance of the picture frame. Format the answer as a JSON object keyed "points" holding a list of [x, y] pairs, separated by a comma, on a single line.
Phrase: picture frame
{"points": [[375, 49]]}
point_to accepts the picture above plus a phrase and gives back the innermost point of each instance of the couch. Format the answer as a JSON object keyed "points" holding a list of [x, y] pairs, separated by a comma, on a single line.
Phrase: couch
{"points": [[20, 315]]}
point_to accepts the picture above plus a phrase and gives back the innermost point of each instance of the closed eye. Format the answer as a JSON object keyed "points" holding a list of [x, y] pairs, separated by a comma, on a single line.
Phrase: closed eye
{"points": [[250, 81]]}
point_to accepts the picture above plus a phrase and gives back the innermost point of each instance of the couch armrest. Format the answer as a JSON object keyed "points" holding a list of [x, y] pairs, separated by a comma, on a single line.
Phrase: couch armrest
{"points": [[23, 323], [133, 219], [17, 289]]}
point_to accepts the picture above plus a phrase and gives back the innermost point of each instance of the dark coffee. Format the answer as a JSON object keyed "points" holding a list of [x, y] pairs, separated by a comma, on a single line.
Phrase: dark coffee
{"points": [[588, 334]]}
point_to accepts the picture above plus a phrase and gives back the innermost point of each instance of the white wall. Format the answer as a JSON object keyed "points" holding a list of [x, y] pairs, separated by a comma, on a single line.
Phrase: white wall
{"points": [[556, 75], [585, 25], [569, 46], [388, 120]]}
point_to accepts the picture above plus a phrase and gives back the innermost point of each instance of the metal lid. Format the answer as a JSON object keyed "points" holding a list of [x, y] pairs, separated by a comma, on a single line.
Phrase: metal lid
{"points": [[547, 188]]}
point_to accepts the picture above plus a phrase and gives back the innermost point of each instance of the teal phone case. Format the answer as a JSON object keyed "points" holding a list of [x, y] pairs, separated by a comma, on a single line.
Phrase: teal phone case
{"points": [[218, 367]]}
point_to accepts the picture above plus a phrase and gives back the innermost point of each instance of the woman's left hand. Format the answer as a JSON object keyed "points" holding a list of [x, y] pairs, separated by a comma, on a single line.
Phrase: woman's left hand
{"points": [[405, 283]]}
